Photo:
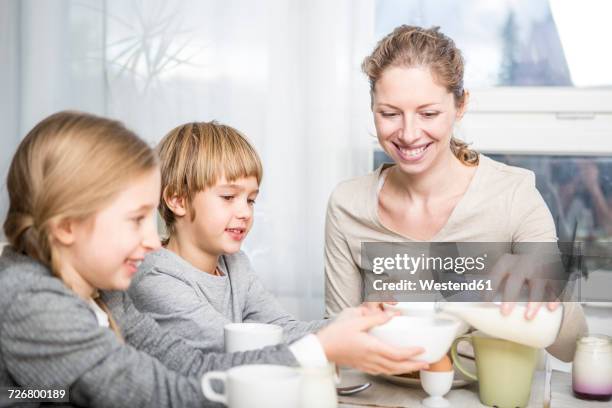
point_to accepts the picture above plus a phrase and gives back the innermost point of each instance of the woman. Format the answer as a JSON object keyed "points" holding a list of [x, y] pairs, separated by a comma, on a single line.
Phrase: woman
{"points": [[437, 189]]}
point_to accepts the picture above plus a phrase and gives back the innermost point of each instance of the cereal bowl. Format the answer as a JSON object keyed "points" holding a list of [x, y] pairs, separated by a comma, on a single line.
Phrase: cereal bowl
{"points": [[434, 334]]}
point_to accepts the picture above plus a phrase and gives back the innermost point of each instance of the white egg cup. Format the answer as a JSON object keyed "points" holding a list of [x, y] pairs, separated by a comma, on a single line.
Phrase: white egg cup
{"points": [[436, 384]]}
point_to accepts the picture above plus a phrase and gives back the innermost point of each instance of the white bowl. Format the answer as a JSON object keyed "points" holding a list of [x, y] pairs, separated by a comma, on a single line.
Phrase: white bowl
{"points": [[426, 309], [434, 334]]}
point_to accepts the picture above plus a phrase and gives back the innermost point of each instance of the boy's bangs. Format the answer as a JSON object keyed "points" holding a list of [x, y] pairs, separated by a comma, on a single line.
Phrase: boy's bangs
{"points": [[232, 161]]}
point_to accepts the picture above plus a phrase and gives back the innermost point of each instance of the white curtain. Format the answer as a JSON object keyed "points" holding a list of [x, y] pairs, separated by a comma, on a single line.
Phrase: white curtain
{"points": [[284, 72]]}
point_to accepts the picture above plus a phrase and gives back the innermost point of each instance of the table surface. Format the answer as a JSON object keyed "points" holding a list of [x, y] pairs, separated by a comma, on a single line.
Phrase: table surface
{"points": [[388, 395]]}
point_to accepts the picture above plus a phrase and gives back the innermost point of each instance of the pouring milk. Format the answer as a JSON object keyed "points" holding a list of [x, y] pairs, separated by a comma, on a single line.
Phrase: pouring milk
{"points": [[539, 332]]}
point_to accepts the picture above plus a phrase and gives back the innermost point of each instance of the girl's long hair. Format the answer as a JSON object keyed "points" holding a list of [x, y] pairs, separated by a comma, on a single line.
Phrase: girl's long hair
{"points": [[68, 167]]}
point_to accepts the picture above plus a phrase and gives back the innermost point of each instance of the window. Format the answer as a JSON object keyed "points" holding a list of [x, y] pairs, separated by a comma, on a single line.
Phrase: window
{"points": [[516, 42], [539, 78]]}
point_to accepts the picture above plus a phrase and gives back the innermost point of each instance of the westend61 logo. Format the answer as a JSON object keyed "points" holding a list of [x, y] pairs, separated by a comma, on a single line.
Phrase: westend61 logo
{"points": [[412, 264]]}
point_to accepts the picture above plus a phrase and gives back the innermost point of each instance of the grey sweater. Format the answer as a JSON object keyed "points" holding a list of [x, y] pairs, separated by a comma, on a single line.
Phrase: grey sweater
{"points": [[196, 305], [51, 337]]}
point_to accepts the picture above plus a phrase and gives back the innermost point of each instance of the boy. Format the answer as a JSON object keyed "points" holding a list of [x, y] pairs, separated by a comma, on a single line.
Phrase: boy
{"points": [[201, 281]]}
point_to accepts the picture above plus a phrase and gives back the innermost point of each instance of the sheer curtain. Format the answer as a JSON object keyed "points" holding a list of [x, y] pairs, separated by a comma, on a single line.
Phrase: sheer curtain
{"points": [[284, 72]]}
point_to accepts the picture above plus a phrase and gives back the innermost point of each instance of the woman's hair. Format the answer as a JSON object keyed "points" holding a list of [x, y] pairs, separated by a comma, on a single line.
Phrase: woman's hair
{"points": [[68, 167], [409, 46], [194, 156]]}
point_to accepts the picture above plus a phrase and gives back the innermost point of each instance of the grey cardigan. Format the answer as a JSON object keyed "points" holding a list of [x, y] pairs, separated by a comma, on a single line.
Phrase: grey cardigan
{"points": [[195, 305], [49, 336]]}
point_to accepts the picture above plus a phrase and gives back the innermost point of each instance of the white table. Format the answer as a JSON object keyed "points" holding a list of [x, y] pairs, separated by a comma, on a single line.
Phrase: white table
{"points": [[385, 394]]}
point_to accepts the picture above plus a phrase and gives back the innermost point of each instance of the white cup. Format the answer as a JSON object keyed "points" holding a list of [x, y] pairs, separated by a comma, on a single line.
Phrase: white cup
{"points": [[251, 336], [255, 386]]}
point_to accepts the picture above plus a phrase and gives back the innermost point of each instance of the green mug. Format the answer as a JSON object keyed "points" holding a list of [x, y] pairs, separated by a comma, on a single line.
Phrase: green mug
{"points": [[504, 369]]}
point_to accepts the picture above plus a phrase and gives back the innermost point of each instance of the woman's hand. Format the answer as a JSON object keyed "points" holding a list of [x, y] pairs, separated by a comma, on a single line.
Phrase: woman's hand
{"points": [[514, 271], [346, 341]]}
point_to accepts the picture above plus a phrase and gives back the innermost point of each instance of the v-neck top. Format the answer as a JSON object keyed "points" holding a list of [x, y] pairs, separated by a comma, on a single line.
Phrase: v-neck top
{"points": [[382, 177], [501, 204]]}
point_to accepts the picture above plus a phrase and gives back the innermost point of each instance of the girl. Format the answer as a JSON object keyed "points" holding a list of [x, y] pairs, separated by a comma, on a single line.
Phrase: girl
{"points": [[83, 192]]}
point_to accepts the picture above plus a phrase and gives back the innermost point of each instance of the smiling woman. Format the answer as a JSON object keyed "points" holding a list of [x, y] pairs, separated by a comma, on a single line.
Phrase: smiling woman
{"points": [[405, 100], [437, 189]]}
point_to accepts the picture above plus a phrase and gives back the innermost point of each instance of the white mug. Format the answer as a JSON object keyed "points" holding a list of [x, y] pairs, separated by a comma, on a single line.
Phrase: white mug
{"points": [[255, 386], [251, 336]]}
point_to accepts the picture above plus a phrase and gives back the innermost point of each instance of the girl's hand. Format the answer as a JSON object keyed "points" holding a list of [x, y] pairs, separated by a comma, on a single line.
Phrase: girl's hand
{"points": [[347, 342]]}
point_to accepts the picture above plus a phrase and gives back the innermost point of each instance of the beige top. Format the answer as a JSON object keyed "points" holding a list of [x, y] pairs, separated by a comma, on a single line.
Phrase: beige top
{"points": [[501, 204]]}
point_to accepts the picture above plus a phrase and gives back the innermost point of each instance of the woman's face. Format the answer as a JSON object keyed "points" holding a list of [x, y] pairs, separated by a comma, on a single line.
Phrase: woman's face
{"points": [[414, 118], [109, 246]]}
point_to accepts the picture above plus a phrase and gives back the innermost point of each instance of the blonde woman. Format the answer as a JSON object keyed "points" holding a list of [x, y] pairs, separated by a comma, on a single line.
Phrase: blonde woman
{"points": [[436, 189], [83, 192]]}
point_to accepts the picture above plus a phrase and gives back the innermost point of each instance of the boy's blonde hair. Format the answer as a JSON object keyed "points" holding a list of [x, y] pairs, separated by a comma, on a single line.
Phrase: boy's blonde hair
{"points": [[194, 156]]}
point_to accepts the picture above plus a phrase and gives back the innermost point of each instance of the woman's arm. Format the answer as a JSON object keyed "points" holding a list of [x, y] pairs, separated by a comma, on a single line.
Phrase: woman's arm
{"points": [[573, 326], [533, 223], [530, 219], [343, 280]]}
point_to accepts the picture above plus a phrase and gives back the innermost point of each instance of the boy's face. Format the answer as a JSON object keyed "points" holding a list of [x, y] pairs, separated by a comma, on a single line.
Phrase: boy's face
{"points": [[223, 215]]}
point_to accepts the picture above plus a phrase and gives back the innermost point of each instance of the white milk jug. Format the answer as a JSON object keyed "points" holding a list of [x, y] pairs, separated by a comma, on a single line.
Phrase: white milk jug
{"points": [[539, 332]]}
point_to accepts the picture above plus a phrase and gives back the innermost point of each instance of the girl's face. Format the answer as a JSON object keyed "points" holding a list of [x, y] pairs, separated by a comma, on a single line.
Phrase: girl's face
{"points": [[108, 246], [414, 118], [223, 215]]}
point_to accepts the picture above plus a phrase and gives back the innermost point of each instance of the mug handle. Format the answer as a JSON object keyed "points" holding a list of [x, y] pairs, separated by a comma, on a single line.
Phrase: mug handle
{"points": [[455, 356], [207, 389]]}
